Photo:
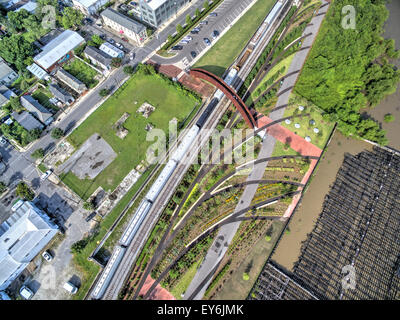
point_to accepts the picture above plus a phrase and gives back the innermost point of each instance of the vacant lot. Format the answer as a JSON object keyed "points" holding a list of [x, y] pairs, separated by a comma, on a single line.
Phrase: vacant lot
{"points": [[169, 102], [222, 54]]}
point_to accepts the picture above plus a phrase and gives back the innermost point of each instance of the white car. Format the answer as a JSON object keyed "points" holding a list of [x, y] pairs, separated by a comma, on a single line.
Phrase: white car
{"points": [[26, 293], [187, 38], [3, 141], [119, 45], [70, 287], [46, 174], [184, 41], [47, 256]]}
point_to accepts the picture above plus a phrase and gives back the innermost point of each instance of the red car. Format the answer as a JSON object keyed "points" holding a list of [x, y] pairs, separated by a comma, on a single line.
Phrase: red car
{"points": [[124, 39]]}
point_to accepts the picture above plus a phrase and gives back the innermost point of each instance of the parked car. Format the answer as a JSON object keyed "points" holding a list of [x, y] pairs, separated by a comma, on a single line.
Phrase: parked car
{"points": [[45, 175], [47, 256], [111, 41], [90, 216], [183, 41], [118, 45], [124, 39], [188, 38], [177, 47], [204, 22], [103, 36], [70, 287], [26, 293], [3, 141], [207, 41], [194, 32], [131, 56], [193, 54], [215, 34], [213, 14]]}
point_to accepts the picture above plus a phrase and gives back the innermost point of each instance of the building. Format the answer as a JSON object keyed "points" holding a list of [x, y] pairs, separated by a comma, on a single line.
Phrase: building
{"points": [[112, 51], [124, 25], [29, 6], [58, 50], [98, 57], [38, 72], [34, 107], [26, 120], [5, 95], [7, 75], [89, 7], [71, 81], [22, 237], [156, 12], [61, 94]]}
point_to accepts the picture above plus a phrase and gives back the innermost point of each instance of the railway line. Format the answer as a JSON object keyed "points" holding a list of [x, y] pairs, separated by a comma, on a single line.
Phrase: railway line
{"points": [[114, 275]]}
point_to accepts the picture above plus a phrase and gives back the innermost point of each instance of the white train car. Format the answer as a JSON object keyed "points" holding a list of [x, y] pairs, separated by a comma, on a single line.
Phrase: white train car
{"points": [[231, 76], [161, 181], [185, 144], [135, 223], [108, 272]]}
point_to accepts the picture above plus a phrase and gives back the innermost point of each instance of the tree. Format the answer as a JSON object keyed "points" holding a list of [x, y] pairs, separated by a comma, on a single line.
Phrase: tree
{"points": [[116, 62], [57, 133], [3, 187], [97, 40], [71, 18], [88, 205], [15, 50], [24, 191], [38, 153], [188, 20], [104, 92], [15, 104], [197, 13], [206, 5], [179, 28], [78, 246], [34, 134], [129, 70], [170, 38], [388, 118]]}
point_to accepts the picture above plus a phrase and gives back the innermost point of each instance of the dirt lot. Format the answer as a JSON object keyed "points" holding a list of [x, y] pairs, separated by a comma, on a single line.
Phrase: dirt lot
{"points": [[310, 207]]}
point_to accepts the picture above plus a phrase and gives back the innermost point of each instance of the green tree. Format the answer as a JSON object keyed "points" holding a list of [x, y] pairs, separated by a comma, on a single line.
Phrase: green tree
{"points": [[206, 5], [388, 118], [88, 205], [71, 18], [97, 40], [188, 20], [15, 50], [129, 70], [24, 191], [197, 13], [179, 29], [170, 38], [116, 62], [3, 187], [104, 92], [15, 104], [78, 246], [38, 153], [57, 133], [34, 134]]}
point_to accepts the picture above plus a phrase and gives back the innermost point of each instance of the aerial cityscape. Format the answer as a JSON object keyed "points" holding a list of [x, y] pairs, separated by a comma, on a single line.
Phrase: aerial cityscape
{"points": [[234, 150]]}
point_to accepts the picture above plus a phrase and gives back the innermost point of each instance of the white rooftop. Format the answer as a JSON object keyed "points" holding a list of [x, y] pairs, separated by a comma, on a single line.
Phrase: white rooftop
{"points": [[154, 4], [88, 3], [111, 50], [29, 6], [58, 48], [22, 238]]}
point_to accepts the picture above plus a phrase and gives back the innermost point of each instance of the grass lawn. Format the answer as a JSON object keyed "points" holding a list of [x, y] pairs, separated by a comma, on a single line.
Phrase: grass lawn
{"points": [[279, 150], [306, 129], [184, 282], [223, 53], [82, 71], [43, 95], [169, 102]]}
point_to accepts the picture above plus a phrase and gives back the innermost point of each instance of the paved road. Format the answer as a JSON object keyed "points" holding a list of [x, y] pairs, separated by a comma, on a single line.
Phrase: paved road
{"points": [[226, 233]]}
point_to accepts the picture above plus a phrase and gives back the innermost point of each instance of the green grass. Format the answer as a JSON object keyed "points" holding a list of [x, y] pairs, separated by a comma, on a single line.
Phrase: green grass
{"points": [[279, 150], [223, 53], [185, 280], [169, 101], [325, 128], [82, 71], [43, 95]]}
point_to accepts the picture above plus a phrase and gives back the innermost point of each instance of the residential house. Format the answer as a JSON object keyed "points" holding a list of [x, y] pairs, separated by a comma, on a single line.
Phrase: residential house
{"points": [[38, 72], [98, 57], [5, 95], [34, 107], [89, 7], [26, 120], [71, 81], [124, 25], [112, 51], [61, 94], [7, 75]]}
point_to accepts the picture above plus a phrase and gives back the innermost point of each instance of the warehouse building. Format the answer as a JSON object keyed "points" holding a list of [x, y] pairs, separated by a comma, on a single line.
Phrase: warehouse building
{"points": [[22, 237], [58, 50]]}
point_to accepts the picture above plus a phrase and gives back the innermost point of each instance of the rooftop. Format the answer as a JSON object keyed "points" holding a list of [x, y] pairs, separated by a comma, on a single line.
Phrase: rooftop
{"points": [[123, 20], [22, 238], [26, 120], [58, 48], [5, 70], [33, 106], [98, 55]]}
